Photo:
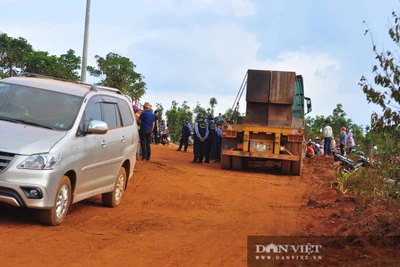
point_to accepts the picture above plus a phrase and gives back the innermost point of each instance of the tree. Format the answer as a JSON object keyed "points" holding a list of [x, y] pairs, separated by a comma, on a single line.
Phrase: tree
{"points": [[160, 109], [386, 94], [137, 90], [229, 115], [13, 53], [213, 102], [64, 67], [199, 109], [175, 117], [119, 72]]}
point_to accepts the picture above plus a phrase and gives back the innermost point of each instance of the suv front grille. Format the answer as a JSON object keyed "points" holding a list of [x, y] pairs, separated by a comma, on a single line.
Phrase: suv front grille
{"points": [[5, 159]]}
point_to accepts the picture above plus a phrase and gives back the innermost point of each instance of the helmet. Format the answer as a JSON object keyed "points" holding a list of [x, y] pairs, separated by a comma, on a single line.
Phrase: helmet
{"points": [[134, 107], [210, 117], [343, 129], [200, 116], [186, 118]]}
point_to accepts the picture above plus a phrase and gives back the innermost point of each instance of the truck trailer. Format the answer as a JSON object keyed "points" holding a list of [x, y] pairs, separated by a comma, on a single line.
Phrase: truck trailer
{"points": [[273, 128]]}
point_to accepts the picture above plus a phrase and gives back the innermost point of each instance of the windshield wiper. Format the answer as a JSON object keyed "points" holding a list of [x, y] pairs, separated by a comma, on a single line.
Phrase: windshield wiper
{"points": [[36, 124], [26, 122], [9, 119]]}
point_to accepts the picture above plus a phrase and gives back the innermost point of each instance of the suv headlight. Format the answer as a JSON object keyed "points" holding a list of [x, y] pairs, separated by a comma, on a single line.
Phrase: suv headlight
{"points": [[45, 161]]}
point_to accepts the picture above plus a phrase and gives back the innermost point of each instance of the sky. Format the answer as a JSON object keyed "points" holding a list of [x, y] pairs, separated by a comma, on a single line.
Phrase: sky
{"points": [[193, 50]]}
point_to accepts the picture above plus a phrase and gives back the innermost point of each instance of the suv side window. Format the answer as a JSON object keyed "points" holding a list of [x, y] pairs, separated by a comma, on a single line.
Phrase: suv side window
{"points": [[126, 113], [92, 111], [111, 115]]}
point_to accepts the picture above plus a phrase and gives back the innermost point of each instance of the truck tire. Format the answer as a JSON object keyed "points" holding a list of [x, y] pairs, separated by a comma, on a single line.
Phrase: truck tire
{"points": [[237, 163], [285, 167], [226, 162]]}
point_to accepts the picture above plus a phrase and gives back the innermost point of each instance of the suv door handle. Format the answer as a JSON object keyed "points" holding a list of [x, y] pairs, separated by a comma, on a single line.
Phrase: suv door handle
{"points": [[123, 139], [103, 143]]}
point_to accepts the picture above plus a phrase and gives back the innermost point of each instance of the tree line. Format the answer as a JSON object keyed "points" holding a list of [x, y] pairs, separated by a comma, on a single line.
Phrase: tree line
{"points": [[17, 55]]}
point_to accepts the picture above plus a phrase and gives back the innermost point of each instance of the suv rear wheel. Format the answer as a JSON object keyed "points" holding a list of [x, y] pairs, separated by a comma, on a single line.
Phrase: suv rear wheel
{"points": [[114, 198]]}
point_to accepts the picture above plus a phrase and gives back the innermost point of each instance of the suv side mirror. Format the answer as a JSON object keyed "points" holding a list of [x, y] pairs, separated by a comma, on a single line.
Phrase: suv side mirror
{"points": [[97, 127], [309, 107]]}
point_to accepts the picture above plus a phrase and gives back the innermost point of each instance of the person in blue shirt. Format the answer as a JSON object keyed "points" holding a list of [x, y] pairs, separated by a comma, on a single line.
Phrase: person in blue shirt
{"points": [[218, 145], [199, 136], [147, 123], [186, 132]]}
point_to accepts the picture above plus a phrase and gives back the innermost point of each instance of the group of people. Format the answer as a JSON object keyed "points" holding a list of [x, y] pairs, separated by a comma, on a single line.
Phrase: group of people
{"points": [[207, 138], [330, 144]]}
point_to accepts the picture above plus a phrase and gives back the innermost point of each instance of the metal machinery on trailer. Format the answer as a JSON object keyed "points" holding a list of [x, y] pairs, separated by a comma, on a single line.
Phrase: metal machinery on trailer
{"points": [[273, 128]]}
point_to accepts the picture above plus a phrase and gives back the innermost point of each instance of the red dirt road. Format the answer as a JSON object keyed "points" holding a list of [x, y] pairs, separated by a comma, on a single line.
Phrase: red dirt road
{"points": [[174, 213]]}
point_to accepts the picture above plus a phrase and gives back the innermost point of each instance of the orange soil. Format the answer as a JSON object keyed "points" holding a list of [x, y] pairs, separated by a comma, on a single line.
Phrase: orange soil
{"points": [[175, 213]]}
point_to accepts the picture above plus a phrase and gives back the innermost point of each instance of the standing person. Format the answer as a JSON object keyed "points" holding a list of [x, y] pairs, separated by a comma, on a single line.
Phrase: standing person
{"points": [[218, 145], [199, 136], [147, 122], [138, 112], [342, 141], [327, 139], [351, 144], [155, 130], [161, 130], [210, 138], [186, 132]]}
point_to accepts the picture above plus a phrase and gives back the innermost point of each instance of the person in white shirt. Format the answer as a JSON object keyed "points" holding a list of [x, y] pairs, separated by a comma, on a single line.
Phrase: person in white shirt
{"points": [[327, 139]]}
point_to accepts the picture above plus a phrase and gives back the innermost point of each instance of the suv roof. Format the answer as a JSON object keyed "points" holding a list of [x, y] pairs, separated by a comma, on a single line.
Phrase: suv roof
{"points": [[56, 84]]}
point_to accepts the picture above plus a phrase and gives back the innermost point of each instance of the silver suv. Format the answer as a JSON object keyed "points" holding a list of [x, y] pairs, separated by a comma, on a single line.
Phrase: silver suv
{"points": [[62, 142]]}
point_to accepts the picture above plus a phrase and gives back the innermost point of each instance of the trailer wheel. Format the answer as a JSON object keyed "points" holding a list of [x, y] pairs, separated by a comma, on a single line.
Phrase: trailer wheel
{"points": [[237, 163], [296, 168], [285, 167], [226, 162]]}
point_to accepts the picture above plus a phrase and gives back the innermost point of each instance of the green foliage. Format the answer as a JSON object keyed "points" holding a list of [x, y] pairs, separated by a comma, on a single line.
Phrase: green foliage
{"points": [[199, 109], [13, 54], [213, 103], [119, 72], [229, 115], [386, 94], [65, 67], [160, 109], [175, 117]]}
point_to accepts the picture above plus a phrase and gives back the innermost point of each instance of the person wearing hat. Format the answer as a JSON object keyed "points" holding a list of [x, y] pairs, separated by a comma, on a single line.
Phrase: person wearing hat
{"points": [[147, 123], [200, 136], [186, 132], [343, 140]]}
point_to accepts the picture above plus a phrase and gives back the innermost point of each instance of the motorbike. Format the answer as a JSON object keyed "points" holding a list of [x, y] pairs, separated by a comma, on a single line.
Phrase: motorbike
{"points": [[190, 141], [165, 137], [348, 165]]}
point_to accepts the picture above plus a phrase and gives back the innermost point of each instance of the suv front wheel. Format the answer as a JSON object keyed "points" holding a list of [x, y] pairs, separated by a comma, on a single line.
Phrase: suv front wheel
{"points": [[113, 199], [57, 213]]}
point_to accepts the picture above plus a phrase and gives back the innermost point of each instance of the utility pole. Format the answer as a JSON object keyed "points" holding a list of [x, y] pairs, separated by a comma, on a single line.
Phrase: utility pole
{"points": [[85, 43]]}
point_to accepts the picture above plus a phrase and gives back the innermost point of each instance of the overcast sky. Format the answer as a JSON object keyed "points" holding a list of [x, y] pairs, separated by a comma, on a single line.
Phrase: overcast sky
{"points": [[197, 49]]}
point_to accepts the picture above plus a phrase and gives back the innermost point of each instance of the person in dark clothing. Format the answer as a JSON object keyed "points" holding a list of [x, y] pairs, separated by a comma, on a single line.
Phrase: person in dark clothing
{"points": [[199, 136], [210, 138], [218, 142], [155, 130], [186, 132], [147, 121]]}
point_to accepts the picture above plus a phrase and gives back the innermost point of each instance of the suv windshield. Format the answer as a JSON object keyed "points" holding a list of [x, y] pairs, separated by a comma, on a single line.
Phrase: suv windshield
{"points": [[42, 108]]}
